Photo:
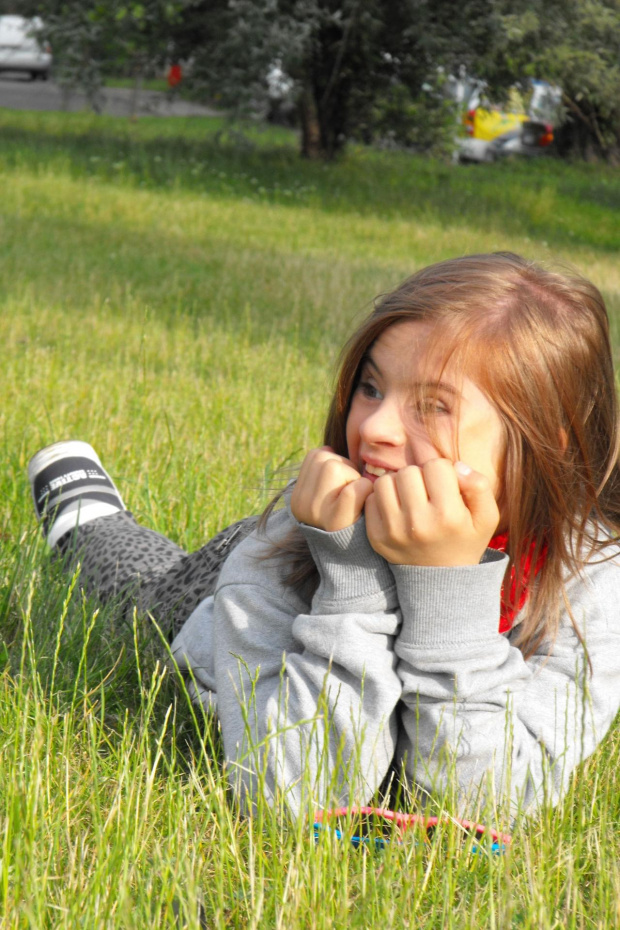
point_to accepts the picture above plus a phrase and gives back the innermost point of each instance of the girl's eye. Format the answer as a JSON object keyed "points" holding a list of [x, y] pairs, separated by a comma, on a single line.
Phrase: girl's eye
{"points": [[368, 389], [431, 406]]}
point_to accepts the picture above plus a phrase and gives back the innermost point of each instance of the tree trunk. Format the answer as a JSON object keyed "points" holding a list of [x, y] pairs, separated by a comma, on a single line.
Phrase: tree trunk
{"points": [[66, 91], [311, 145], [138, 75], [135, 96]]}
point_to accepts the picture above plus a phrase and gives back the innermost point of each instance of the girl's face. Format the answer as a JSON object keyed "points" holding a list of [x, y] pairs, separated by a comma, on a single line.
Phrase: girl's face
{"points": [[400, 392]]}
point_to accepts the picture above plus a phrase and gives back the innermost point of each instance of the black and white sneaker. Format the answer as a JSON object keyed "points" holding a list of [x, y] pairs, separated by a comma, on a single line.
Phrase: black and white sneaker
{"points": [[70, 487]]}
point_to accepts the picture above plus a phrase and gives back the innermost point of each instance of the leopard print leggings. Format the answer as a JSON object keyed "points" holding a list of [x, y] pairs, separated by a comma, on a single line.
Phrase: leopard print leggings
{"points": [[120, 559]]}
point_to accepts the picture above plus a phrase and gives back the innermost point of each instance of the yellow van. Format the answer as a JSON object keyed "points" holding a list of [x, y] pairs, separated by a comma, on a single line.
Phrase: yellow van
{"points": [[523, 126]]}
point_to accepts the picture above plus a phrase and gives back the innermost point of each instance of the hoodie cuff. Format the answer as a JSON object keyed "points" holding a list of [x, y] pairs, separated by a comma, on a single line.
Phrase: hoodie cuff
{"points": [[450, 605], [349, 568]]}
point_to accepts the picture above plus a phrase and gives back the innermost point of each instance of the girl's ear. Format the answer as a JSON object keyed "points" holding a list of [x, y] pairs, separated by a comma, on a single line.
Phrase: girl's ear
{"points": [[563, 440]]}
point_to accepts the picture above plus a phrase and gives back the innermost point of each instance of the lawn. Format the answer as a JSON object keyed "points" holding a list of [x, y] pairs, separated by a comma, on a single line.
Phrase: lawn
{"points": [[176, 292]]}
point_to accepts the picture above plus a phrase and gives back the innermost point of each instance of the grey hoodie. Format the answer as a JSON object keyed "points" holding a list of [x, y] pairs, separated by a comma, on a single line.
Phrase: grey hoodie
{"points": [[396, 666]]}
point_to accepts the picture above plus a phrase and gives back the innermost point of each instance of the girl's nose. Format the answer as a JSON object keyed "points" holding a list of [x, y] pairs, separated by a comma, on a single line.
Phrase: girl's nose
{"points": [[387, 426], [384, 426]]}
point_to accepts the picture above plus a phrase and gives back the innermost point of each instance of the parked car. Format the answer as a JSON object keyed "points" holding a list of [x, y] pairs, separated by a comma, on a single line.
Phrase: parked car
{"points": [[20, 49], [523, 126]]}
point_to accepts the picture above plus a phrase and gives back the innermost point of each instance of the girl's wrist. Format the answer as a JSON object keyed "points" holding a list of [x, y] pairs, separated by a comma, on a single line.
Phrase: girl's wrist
{"points": [[450, 604], [348, 566]]}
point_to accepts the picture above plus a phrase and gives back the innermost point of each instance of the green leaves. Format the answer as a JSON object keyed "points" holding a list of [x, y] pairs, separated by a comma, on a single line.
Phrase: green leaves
{"points": [[350, 63], [93, 38]]}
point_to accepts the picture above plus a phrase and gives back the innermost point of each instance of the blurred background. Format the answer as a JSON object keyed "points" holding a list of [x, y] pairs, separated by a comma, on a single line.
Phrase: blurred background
{"points": [[471, 80]]}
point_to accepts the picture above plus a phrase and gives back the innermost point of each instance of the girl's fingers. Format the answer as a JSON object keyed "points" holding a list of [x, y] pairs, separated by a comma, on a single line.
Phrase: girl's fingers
{"points": [[386, 497], [412, 493], [351, 500], [439, 514], [389, 510], [313, 469], [442, 486], [326, 494], [311, 474], [310, 462], [479, 499], [372, 518]]}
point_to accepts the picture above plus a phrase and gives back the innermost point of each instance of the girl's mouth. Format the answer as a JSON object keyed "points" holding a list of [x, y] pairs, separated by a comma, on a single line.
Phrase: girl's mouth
{"points": [[375, 470], [372, 472]]}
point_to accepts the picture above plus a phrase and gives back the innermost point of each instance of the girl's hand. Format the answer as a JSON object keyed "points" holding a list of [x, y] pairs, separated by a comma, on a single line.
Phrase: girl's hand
{"points": [[439, 514], [329, 493]]}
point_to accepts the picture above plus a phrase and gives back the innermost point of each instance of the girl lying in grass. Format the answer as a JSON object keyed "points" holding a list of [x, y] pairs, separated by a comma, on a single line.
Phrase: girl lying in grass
{"points": [[439, 592]]}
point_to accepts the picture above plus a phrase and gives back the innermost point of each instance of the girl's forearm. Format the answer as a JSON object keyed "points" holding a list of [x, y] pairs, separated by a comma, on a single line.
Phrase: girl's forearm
{"points": [[474, 707], [307, 692]]}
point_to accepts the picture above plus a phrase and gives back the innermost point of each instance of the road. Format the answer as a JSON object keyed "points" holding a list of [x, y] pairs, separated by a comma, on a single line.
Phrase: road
{"points": [[18, 92]]}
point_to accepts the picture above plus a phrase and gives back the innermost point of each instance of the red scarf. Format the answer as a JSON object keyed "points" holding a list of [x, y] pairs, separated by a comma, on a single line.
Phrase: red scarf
{"points": [[515, 597]]}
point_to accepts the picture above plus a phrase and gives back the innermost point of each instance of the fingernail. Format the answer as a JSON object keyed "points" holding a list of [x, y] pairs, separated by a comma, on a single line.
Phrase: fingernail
{"points": [[462, 468]]}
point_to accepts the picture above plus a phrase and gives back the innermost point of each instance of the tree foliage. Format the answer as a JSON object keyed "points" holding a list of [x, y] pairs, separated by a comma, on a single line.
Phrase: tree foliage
{"points": [[368, 69], [351, 62], [25, 8], [92, 37]]}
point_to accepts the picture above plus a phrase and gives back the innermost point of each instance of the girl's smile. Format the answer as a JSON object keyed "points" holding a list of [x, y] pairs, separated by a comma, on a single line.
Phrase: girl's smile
{"points": [[407, 410]]}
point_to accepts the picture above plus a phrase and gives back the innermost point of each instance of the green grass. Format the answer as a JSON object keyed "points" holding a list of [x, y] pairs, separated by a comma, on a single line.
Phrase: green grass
{"points": [[176, 293]]}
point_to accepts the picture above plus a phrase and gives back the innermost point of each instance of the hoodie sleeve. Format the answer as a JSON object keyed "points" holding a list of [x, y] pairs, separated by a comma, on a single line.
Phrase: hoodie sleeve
{"points": [[307, 692], [476, 710]]}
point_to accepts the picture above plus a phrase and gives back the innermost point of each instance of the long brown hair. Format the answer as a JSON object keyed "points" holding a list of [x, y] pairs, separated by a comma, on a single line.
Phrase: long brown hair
{"points": [[536, 342]]}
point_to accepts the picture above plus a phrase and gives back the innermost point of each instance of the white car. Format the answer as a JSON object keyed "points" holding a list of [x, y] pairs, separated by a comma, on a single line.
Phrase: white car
{"points": [[20, 49]]}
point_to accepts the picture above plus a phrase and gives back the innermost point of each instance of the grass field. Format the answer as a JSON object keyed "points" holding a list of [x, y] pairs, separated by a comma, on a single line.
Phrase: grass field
{"points": [[176, 293]]}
